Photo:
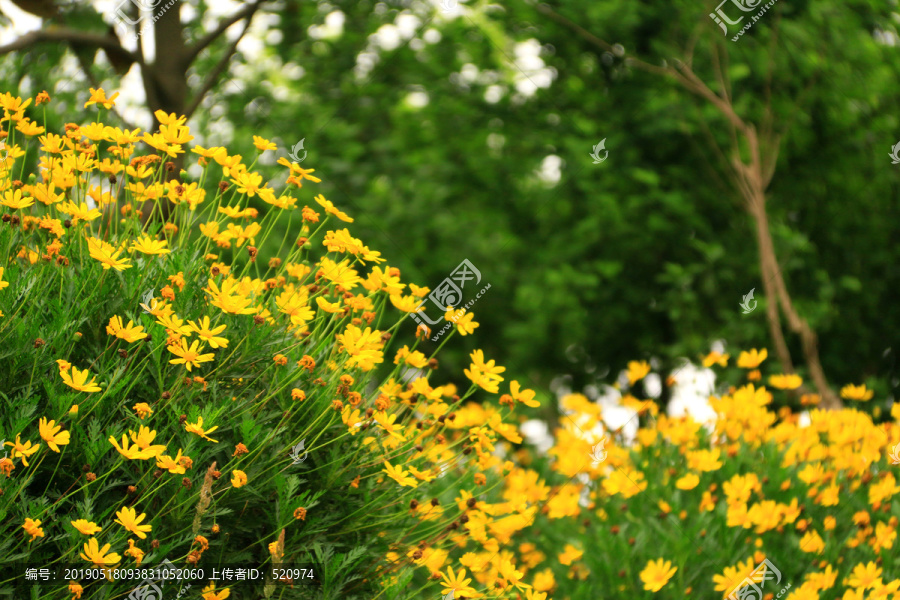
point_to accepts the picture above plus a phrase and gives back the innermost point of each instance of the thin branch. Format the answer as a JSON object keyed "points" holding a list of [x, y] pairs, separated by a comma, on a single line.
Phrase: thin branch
{"points": [[204, 42], [751, 179], [62, 34], [220, 67], [574, 27]]}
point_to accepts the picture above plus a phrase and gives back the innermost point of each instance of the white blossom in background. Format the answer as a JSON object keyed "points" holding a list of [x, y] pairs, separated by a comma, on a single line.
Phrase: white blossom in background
{"points": [[532, 74], [537, 433], [431, 36], [333, 27], [448, 9], [551, 169], [614, 415], [418, 99], [690, 394], [493, 94]]}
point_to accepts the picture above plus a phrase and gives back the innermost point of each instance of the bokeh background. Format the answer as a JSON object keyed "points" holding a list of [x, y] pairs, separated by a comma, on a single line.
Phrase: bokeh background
{"points": [[459, 130]]}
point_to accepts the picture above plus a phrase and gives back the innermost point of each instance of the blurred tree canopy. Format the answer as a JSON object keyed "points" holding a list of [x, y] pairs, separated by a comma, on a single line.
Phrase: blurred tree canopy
{"points": [[467, 134]]}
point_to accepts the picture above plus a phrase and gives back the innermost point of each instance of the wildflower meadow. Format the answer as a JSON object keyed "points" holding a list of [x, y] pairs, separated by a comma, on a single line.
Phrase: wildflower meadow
{"points": [[171, 394], [448, 300]]}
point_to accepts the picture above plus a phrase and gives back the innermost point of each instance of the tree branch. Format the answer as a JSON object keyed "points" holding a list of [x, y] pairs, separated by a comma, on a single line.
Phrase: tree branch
{"points": [[62, 34], [245, 13], [751, 179], [220, 67]]}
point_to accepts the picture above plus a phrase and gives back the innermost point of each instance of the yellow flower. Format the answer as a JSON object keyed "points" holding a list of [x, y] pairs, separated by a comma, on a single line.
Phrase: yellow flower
{"points": [[14, 200], [99, 97], [197, 428], [399, 475], [688, 482], [78, 380], [329, 207], [752, 359], [511, 576], [457, 583], [657, 574], [142, 409], [79, 212], [738, 572], [406, 304], [785, 382], [129, 332], [210, 593], [76, 590], [637, 371], [463, 320], [414, 359], [570, 554], [329, 307], [715, 358], [107, 254], [364, 347], [3, 284], [50, 433], [133, 452], [144, 438], [129, 519], [704, 460], [628, 483], [856, 392], [207, 334], [148, 245], [484, 374], [136, 553], [526, 397], [263, 144], [23, 451], [33, 528], [189, 357], [864, 576], [228, 300], [97, 555], [86, 527], [238, 478], [173, 465], [811, 542]]}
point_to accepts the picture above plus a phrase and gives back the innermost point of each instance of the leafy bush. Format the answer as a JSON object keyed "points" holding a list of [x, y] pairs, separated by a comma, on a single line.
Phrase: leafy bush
{"points": [[170, 394]]}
